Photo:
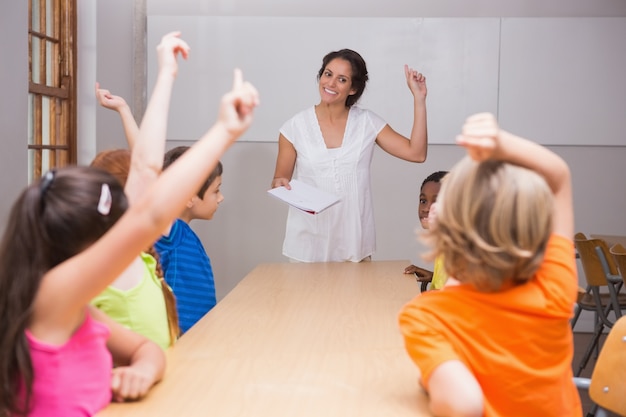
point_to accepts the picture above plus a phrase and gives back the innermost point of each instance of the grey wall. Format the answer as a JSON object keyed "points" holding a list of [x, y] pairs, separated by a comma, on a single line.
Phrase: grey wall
{"points": [[248, 228]]}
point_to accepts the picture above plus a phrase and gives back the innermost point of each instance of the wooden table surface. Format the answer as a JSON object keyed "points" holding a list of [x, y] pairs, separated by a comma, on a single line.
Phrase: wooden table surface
{"points": [[295, 339]]}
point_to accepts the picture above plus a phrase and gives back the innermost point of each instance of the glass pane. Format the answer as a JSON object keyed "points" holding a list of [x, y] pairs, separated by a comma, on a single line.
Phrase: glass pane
{"points": [[51, 64], [50, 5], [34, 6], [31, 166], [47, 160], [34, 55], [45, 120]]}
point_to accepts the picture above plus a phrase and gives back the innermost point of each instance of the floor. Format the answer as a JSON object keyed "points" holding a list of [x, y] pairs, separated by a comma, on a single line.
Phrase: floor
{"points": [[581, 340]]}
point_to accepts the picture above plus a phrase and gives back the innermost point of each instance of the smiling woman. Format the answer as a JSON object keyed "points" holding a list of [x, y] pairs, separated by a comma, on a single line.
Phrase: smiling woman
{"points": [[330, 146]]}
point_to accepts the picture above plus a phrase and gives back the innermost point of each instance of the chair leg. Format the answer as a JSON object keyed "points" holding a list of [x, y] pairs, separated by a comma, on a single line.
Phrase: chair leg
{"points": [[600, 412], [590, 347], [592, 412], [577, 311]]}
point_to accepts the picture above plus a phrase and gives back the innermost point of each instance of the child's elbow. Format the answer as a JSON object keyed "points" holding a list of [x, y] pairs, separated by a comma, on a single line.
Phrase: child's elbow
{"points": [[452, 407]]}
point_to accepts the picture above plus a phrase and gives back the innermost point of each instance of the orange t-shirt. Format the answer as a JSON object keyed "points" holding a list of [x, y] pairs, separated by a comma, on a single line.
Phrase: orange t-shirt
{"points": [[518, 343]]}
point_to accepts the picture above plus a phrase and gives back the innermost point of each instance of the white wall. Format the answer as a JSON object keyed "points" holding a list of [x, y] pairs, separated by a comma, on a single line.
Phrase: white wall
{"points": [[248, 228]]}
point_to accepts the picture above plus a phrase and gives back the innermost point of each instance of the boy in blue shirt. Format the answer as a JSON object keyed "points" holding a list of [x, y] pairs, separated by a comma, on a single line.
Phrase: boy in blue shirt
{"points": [[186, 265]]}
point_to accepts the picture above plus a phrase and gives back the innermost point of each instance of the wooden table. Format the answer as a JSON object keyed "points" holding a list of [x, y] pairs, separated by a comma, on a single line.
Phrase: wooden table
{"points": [[295, 339]]}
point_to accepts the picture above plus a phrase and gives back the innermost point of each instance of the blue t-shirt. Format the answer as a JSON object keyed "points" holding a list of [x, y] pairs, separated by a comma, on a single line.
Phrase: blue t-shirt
{"points": [[187, 270]]}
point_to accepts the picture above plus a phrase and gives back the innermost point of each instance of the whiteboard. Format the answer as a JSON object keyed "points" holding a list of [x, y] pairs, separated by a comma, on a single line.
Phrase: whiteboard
{"points": [[282, 55], [558, 81], [563, 80]]}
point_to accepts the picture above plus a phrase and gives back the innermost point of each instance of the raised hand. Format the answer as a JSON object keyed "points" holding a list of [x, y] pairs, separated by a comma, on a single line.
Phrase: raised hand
{"points": [[108, 100], [170, 46], [480, 136], [416, 82], [237, 106]]}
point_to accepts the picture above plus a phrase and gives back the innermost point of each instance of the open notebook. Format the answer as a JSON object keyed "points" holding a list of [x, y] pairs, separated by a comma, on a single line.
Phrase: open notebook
{"points": [[304, 197]]}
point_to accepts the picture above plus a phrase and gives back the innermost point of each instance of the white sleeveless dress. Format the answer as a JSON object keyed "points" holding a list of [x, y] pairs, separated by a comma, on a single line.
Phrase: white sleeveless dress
{"points": [[346, 230]]}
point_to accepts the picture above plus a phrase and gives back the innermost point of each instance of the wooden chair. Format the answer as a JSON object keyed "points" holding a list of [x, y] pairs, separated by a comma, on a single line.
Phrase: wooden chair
{"points": [[602, 295], [619, 255], [606, 386]]}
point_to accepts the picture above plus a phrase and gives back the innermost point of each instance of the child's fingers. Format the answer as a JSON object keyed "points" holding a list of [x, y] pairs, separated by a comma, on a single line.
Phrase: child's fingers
{"points": [[475, 141], [127, 384], [478, 117], [182, 47], [174, 34], [237, 79], [478, 148], [480, 131], [172, 42]]}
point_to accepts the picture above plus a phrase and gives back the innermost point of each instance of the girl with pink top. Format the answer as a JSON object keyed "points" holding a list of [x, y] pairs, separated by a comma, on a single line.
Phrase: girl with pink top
{"points": [[70, 235]]}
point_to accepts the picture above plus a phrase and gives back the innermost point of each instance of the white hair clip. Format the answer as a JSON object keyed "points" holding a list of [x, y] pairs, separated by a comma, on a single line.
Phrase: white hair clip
{"points": [[104, 205]]}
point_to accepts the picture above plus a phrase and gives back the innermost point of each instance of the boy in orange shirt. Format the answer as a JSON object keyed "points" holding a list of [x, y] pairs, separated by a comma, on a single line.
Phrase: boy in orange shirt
{"points": [[497, 342]]}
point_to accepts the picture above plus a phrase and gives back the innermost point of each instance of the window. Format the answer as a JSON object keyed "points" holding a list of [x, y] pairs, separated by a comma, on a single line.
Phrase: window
{"points": [[52, 85]]}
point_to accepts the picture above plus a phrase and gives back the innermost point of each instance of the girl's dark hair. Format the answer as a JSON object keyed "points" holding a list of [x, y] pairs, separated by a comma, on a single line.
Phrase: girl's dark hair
{"points": [[175, 153], [52, 220], [359, 71]]}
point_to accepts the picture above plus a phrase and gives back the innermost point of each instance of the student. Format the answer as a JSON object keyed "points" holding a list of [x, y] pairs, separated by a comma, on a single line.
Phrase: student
{"points": [[330, 146], [69, 235], [186, 264], [139, 298], [428, 195], [504, 227]]}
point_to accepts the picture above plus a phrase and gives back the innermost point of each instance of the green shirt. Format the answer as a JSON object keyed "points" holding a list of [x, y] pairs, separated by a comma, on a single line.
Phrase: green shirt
{"points": [[141, 308]]}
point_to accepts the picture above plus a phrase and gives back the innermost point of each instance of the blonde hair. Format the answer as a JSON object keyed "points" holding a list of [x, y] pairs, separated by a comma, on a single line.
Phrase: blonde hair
{"points": [[493, 223]]}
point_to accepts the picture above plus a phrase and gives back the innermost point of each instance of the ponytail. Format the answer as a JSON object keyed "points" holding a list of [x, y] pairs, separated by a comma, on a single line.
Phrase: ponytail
{"points": [[168, 296]]}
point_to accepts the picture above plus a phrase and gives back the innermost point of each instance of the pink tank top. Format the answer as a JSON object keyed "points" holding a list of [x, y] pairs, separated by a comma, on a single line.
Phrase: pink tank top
{"points": [[73, 379]]}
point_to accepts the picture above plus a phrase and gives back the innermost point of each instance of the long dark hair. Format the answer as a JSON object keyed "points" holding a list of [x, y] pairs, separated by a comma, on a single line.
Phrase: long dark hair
{"points": [[359, 71], [52, 220]]}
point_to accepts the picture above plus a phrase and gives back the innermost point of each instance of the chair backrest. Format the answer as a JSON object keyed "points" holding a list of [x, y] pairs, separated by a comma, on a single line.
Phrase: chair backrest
{"points": [[592, 266], [619, 254], [607, 388]]}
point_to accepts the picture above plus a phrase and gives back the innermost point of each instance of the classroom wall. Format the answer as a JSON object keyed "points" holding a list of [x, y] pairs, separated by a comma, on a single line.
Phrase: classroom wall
{"points": [[248, 228], [13, 103]]}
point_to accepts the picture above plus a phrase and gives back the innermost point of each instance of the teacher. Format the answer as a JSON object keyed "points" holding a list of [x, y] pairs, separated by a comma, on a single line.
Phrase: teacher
{"points": [[330, 146]]}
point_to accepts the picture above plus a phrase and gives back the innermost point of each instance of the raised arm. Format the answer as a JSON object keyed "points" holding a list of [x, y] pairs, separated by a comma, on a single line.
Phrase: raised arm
{"points": [[118, 104], [67, 288], [147, 155], [414, 149], [483, 139]]}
